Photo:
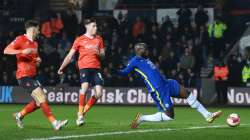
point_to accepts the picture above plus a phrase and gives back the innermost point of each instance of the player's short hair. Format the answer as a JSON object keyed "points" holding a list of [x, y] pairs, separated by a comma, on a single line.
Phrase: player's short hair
{"points": [[140, 45], [31, 23], [89, 20]]}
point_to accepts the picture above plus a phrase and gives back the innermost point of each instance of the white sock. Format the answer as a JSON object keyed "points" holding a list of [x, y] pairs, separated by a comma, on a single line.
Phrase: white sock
{"points": [[194, 103], [157, 117], [54, 122], [79, 115], [19, 115]]}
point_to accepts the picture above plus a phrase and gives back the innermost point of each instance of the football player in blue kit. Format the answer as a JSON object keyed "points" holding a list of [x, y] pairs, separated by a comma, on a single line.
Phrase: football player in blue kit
{"points": [[161, 90]]}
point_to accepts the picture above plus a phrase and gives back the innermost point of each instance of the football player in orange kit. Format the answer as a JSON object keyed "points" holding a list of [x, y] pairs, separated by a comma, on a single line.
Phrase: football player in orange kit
{"points": [[26, 50], [90, 48]]}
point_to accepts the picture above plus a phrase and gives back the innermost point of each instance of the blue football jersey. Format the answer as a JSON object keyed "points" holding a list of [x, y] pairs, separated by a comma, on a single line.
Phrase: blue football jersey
{"points": [[147, 71]]}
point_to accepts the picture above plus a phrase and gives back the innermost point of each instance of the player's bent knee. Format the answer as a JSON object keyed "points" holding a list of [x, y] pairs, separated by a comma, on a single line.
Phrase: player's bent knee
{"points": [[98, 95], [83, 90], [165, 117], [38, 95], [169, 114], [98, 91], [84, 87]]}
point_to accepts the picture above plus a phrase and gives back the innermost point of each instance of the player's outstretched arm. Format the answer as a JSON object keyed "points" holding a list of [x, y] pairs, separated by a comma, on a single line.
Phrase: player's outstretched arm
{"points": [[11, 51], [130, 67], [66, 60], [14, 48]]}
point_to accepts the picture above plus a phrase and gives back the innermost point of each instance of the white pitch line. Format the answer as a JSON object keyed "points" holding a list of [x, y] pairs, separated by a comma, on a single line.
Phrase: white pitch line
{"points": [[131, 132]]}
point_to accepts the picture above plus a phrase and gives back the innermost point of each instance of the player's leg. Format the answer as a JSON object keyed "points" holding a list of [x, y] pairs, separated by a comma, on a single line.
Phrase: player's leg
{"points": [[98, 83], [82, 97], [165, 111], [30, 107], [194, 103], [85, 80], [82, 102], [39, 96], [92, 100]]}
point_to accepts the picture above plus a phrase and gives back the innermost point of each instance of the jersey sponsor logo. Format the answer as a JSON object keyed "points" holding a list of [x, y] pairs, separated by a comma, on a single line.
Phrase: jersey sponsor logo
{"points": [[91, 46], [83, 42]]}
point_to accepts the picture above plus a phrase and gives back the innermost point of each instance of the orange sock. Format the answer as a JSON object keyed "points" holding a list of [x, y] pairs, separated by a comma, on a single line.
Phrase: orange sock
{"points": [[30, 107], [47, 112], [81, 103], [89, 104]]}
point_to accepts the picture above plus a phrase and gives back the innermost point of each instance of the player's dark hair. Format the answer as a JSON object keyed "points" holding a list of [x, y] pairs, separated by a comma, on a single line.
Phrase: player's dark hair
{"points": [[89, 20], [141, 45], [31, 23]]}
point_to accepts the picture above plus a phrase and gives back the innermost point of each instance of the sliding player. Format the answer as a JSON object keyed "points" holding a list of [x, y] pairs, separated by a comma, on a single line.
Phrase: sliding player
{"points": [[161, 90]]}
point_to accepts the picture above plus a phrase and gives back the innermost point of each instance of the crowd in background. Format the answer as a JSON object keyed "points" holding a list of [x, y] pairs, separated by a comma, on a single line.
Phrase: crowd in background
{"points": [[179, 51]]}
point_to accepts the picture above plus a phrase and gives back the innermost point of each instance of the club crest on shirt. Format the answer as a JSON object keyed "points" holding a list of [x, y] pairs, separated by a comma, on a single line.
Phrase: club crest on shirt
{"points": [[166, 105]]}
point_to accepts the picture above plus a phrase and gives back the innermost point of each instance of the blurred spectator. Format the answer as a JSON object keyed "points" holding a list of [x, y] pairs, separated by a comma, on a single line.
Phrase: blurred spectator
{"points": [[64, 45], [187, 60], [221, 76], [78, 5], [216, 34], [235, 66], [190, 79], [150, 23], [184, 17], [246, 73], [202, 41], [166, 25], [138, 27], [153, 39], [201, 17], [46, 29], [70, 24], [56, 23]]}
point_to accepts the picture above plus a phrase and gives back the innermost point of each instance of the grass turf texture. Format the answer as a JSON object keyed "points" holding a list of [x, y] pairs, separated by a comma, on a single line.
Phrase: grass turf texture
{"points": [[102, 119]]}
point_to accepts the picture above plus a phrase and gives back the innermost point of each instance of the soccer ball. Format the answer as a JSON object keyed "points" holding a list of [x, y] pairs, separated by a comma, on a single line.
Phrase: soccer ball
{"points": [[233, 120]]}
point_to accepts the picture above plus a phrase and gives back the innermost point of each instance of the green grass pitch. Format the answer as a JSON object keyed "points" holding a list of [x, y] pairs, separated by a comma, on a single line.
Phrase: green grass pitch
{"points": [[112, 123]]}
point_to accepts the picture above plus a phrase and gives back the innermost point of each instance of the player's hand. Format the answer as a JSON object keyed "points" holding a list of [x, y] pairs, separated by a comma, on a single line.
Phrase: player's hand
{"points": [[27, 51], [38, 60], [60, 71]]}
